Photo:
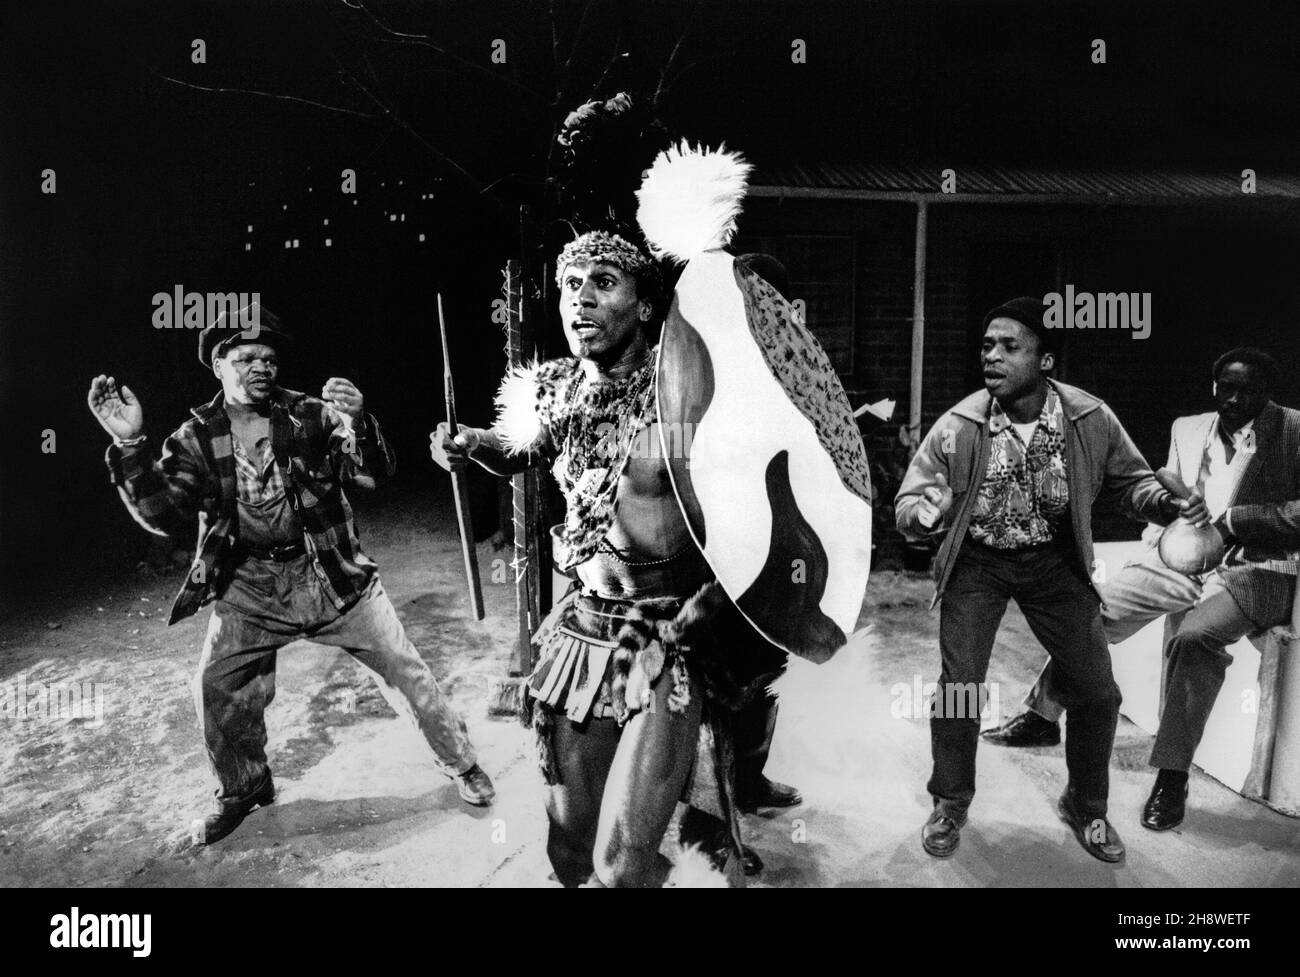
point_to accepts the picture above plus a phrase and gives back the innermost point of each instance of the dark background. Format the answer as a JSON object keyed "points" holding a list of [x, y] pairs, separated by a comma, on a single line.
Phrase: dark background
{"points": [[158, 182]]}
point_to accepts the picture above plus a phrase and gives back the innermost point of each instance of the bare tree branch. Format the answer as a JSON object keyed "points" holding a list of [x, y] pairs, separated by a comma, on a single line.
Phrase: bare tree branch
{"points": [[555, 52], [275, 95], [397, 120], [614, 59], [663, 74], [524, 178], [577, 35], [370, 68], [682, 73], [423, 40]]}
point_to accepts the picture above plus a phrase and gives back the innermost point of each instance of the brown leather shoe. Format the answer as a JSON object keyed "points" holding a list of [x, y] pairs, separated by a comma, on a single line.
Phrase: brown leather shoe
{"points": [[942, 833], [1097, 836], [1027, 729]]}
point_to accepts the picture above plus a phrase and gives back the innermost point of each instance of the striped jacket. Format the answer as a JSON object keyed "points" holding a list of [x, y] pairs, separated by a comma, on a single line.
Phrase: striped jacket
{"points": [[1264, 510], [1264, 515], [194, 477]]}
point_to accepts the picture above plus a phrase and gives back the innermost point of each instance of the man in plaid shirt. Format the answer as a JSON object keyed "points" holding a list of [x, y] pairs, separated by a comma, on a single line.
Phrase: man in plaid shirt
{"points": [[262, 469]]}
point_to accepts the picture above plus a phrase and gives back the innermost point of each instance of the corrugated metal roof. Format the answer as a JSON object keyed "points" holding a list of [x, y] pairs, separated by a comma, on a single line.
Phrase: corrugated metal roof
{"points": [[872, 180]]}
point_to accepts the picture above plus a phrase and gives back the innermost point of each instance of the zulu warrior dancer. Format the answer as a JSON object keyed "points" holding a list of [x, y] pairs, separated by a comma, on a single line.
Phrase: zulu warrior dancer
{"points": [[618, 729], [718, 517], [263, 470]]}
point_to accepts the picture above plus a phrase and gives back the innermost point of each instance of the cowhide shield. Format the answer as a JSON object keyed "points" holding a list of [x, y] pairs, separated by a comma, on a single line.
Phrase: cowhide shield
{"points": [[765, 457]]}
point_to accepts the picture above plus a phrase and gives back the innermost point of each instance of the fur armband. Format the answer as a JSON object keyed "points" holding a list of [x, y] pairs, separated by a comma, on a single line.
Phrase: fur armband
{"points": [[525, 401], [517, 423]]}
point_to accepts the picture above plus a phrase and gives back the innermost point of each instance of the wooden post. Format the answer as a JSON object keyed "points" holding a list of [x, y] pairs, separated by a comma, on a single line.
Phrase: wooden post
{"points": [[520, 349], [918, 327]]}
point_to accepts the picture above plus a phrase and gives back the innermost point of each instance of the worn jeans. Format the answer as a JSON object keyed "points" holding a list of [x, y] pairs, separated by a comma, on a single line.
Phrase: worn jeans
{"points": [[1204, 619], [269, 604], [1063, 612]]}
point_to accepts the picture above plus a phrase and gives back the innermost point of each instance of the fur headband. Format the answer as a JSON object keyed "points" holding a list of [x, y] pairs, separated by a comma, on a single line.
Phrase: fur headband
{"points": [[604, 248]]}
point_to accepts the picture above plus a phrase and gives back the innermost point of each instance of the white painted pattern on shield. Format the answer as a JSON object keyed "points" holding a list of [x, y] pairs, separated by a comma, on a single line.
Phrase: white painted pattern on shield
{"points": [[728, 461]]}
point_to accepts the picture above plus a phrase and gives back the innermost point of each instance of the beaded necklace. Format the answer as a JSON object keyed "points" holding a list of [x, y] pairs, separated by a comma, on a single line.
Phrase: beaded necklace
{"points": [[596, 424]]}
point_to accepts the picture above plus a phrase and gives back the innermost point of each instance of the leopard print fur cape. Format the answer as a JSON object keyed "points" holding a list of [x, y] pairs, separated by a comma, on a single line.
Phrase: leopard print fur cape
{"points": [[587, 427]]}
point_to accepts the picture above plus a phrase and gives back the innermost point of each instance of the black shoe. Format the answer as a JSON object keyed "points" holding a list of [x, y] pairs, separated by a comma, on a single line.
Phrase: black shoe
{"points": [[767, 793], [1166, 806], [1027, 729], [942, 833], [475, 787], [1098, 837], [214, 827]]}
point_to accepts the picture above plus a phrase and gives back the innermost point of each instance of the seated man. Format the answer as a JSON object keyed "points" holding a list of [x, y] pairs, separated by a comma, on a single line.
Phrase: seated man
{"points": [[1242, 460]]}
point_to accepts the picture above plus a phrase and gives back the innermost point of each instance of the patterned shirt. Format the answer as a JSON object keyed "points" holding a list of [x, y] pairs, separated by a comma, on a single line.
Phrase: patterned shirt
{"points": [[266, 515], [261, 480], [195, 477], [1025, 494]]}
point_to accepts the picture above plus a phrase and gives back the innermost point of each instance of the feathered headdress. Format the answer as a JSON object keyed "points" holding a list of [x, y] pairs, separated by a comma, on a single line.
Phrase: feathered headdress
{"points": [[605, 148]]}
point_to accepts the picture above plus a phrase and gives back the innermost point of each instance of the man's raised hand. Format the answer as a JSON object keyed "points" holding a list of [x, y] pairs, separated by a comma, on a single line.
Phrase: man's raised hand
{"points": [[936, 500], [343, 396], [118, 411]]}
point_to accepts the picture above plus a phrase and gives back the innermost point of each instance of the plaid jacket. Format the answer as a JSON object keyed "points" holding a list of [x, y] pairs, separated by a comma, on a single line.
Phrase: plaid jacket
{"points": [[195, 477]]}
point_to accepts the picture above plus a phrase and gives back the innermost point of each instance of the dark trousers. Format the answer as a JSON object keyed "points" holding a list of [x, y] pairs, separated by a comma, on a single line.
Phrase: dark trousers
{"points": [[1196, 660], [751, 731], [1063, 612]]}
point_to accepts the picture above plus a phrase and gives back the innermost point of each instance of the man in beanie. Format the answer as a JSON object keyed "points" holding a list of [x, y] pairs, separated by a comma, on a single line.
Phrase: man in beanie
{"points": [[262, 469], [1006, 479]]}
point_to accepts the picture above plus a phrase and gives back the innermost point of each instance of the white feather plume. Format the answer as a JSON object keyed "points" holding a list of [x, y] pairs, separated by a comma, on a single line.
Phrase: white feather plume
{"points": [[517, 423], [690, 199]]}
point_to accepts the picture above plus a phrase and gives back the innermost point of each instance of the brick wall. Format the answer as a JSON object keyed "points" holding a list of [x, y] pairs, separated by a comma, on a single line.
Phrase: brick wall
{"points": [[1216, 282]]}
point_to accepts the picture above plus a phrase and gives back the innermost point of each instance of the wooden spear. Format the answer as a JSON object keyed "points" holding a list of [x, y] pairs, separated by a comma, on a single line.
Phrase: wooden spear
{"points": [[460, 481]]}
